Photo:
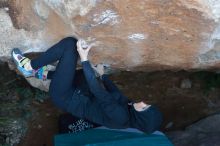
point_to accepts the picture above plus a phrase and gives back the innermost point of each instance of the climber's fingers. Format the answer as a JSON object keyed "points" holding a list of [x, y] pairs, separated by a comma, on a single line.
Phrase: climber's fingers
{"points": [[90, 46]]}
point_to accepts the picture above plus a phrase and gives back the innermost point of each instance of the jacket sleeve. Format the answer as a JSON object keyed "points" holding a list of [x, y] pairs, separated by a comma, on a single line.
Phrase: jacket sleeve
{"points": [[112, 88], [94, 85], [108, 104], [109, 85]]}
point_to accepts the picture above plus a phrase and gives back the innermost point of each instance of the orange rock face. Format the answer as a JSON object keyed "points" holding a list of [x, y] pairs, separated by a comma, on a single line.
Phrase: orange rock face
{"points": [[131, 35]]}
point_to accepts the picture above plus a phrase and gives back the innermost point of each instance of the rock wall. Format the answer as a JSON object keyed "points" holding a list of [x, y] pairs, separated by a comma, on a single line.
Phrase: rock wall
{"points": [[203, 132], [131, 35]]}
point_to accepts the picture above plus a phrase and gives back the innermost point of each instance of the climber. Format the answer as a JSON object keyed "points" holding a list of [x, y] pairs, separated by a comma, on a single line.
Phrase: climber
{"points": [[81, 93]]}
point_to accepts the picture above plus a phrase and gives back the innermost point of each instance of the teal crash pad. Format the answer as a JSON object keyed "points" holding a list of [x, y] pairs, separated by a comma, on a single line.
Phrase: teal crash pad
{"points": [[104, 137]]}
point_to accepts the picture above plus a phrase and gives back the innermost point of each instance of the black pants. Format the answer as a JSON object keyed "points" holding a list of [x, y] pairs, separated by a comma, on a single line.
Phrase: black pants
{"points": [[62, 79]]}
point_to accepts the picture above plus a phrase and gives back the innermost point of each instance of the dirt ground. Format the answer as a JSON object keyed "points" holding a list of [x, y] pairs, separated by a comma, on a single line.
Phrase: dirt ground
{"points": [[43, 126], [183, 98]]}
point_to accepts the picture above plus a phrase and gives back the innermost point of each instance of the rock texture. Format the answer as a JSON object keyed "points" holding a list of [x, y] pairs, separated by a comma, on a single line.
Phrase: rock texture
{"points": [[130, 34], [202, 133]]}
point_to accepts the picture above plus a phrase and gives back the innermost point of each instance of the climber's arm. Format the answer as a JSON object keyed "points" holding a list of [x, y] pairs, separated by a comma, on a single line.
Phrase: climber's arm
{"points": [[108, 104]]}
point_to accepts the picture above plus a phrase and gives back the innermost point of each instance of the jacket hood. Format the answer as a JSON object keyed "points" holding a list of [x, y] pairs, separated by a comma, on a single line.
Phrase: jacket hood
{"points": [[147, 121]]}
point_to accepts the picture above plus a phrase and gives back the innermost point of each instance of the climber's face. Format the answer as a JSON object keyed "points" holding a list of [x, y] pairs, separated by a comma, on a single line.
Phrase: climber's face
{"points": [[140, 106]]}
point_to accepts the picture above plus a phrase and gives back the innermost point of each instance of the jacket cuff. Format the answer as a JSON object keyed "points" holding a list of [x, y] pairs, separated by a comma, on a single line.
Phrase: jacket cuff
{"points": [[103, 77], [85, 62]]}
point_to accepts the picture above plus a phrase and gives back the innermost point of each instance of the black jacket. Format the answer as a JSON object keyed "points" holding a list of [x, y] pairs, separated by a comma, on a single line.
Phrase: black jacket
{"points": [[107, 106]]}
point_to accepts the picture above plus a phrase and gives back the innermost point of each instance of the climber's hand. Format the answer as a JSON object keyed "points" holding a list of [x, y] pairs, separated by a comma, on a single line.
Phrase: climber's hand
{"points": [[83, 52], [99, 69]]}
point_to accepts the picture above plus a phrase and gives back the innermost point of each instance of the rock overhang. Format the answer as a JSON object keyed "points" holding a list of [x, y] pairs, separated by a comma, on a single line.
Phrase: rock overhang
{"points": [[131, 35]]}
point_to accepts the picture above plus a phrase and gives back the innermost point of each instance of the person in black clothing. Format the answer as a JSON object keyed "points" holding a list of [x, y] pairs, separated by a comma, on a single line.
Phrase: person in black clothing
{"points": [[80, 93]]}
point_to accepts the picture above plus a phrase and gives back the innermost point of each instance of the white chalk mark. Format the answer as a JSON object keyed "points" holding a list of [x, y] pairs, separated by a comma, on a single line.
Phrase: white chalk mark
{"points": [[106, 17], [136, 37]]}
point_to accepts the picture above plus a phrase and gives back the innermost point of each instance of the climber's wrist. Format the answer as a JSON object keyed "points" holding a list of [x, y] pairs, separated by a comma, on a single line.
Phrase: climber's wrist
{"points": [[84, 59]]}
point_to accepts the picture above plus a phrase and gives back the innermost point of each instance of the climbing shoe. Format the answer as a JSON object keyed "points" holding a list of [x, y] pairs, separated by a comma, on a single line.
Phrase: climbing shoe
{"points": [[22, 63]]}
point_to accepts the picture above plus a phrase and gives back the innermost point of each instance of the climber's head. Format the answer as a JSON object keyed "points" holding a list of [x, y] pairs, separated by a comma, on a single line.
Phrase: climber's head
{"points": [[146, 118]]}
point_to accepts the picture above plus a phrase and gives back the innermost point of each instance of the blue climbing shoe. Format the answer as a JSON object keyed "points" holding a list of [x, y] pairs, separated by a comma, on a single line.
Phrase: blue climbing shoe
{"points": [[20, 60]]}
